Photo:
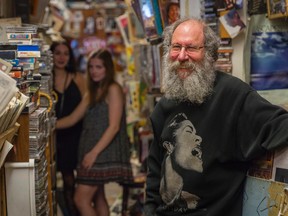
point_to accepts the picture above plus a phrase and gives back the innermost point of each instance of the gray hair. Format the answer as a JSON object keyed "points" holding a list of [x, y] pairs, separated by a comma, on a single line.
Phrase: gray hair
{"points": [[211, 43]]}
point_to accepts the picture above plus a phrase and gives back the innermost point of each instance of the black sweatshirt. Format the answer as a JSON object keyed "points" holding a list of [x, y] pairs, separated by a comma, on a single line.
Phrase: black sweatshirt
{"points": [[200, 155]]}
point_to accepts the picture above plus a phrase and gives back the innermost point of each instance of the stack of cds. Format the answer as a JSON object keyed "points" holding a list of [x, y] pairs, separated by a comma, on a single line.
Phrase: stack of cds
{"points": [[38, 139], [38, 133], [41, 187]]}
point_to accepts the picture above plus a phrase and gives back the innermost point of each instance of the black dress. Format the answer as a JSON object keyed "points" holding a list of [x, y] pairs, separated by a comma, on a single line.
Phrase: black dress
{"points": [[67, 140]]}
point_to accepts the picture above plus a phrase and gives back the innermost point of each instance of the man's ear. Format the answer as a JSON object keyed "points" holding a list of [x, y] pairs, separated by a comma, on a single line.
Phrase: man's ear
{"points": [[168, 146]]}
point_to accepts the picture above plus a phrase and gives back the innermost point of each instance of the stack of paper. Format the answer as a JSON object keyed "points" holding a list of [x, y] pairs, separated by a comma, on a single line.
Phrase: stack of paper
{"points": [[12, 111], [7, 90]]}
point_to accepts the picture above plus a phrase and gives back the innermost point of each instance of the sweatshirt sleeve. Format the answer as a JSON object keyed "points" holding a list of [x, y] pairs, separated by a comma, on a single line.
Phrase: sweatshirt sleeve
{"points": [[261, 126], [154, 161], [153, 199]]}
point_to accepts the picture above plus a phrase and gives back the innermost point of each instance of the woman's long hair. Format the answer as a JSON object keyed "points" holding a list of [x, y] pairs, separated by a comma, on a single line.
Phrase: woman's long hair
{"points": [[99, 90]]}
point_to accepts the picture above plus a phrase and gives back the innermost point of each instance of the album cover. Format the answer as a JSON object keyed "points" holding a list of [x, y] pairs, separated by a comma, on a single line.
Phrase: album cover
{"points": [[232, 23]]}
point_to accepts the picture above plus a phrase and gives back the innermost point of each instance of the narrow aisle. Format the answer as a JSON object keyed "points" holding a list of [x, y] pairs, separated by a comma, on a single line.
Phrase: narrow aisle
{"points": [[113, 193]]}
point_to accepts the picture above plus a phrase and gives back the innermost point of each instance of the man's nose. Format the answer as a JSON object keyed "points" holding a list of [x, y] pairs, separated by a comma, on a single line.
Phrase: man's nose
{"points": [[183, 55]]}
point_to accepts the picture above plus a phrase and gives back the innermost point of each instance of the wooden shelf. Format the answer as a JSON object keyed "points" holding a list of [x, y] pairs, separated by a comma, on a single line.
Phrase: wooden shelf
{"points": [[7, 135], [21, 144]]}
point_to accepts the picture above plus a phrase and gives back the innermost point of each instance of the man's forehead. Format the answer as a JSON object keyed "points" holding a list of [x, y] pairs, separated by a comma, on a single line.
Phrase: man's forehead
{"points": [[189, 30]]}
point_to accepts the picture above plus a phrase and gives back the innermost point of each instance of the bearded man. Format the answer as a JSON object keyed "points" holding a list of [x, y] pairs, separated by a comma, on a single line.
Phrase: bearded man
{"points": [[207, 127]]}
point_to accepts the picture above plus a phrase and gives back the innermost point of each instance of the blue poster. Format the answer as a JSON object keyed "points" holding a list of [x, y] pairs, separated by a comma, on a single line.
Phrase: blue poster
{"points": [[269, 60]]}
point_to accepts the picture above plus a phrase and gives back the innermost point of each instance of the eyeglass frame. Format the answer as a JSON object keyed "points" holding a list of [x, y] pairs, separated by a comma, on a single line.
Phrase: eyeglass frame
{"points": [[195, 49]]}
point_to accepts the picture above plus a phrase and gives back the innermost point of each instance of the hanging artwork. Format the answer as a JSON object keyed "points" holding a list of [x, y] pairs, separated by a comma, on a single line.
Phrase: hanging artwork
{"points": [[277, 9], [269, 66], [265, 53], [232, 23], [266, 70]]}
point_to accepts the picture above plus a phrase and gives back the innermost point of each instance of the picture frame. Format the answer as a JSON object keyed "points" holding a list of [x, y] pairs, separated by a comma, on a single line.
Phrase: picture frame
{"points": [[277, 8], [171, 5]]}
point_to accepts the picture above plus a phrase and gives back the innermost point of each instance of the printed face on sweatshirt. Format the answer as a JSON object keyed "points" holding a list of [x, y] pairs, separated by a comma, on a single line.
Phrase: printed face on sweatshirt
{"points": [[187, 147], [183, 151]]}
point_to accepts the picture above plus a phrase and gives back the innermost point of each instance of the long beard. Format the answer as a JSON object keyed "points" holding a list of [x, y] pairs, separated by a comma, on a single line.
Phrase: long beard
{"points": [[195, 88]]}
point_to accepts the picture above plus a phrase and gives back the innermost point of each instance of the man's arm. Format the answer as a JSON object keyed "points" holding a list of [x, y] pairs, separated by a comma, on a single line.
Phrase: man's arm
{"points": [[154, 161], [153, 199], [261, 126]]}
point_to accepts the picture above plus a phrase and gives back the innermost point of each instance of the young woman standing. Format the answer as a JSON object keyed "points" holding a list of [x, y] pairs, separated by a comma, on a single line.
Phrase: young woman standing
{"points": [[69, 86], [104, 154]]}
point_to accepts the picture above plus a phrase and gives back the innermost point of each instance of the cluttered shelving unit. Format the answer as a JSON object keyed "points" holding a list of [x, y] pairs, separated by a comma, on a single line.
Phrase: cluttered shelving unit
{"points": [[28, 175]]}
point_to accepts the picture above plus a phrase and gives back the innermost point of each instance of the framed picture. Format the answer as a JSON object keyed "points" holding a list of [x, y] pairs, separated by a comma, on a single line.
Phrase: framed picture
{"points": [[170, 11], [277, 8]]}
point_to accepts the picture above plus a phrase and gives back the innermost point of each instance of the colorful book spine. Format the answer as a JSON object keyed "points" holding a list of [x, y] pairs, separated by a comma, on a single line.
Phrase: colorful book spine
{"points": [[157, 17]]}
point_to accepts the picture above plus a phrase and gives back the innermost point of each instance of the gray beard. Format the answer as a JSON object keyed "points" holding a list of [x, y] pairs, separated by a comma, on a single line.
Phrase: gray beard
{"points": [[195, 88]]}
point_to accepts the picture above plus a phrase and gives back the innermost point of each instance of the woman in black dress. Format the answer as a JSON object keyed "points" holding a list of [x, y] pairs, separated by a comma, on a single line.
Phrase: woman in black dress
{"points": [[69, 86]]}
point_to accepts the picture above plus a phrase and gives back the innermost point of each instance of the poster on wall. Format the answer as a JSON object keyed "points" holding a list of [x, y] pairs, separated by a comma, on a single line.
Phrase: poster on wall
{"points": [[265, 53], [269, 65], [264, 198]]}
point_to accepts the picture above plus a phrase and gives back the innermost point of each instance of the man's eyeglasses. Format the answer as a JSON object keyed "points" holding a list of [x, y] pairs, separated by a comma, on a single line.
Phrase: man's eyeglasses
{"points": [[176, 48]]}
